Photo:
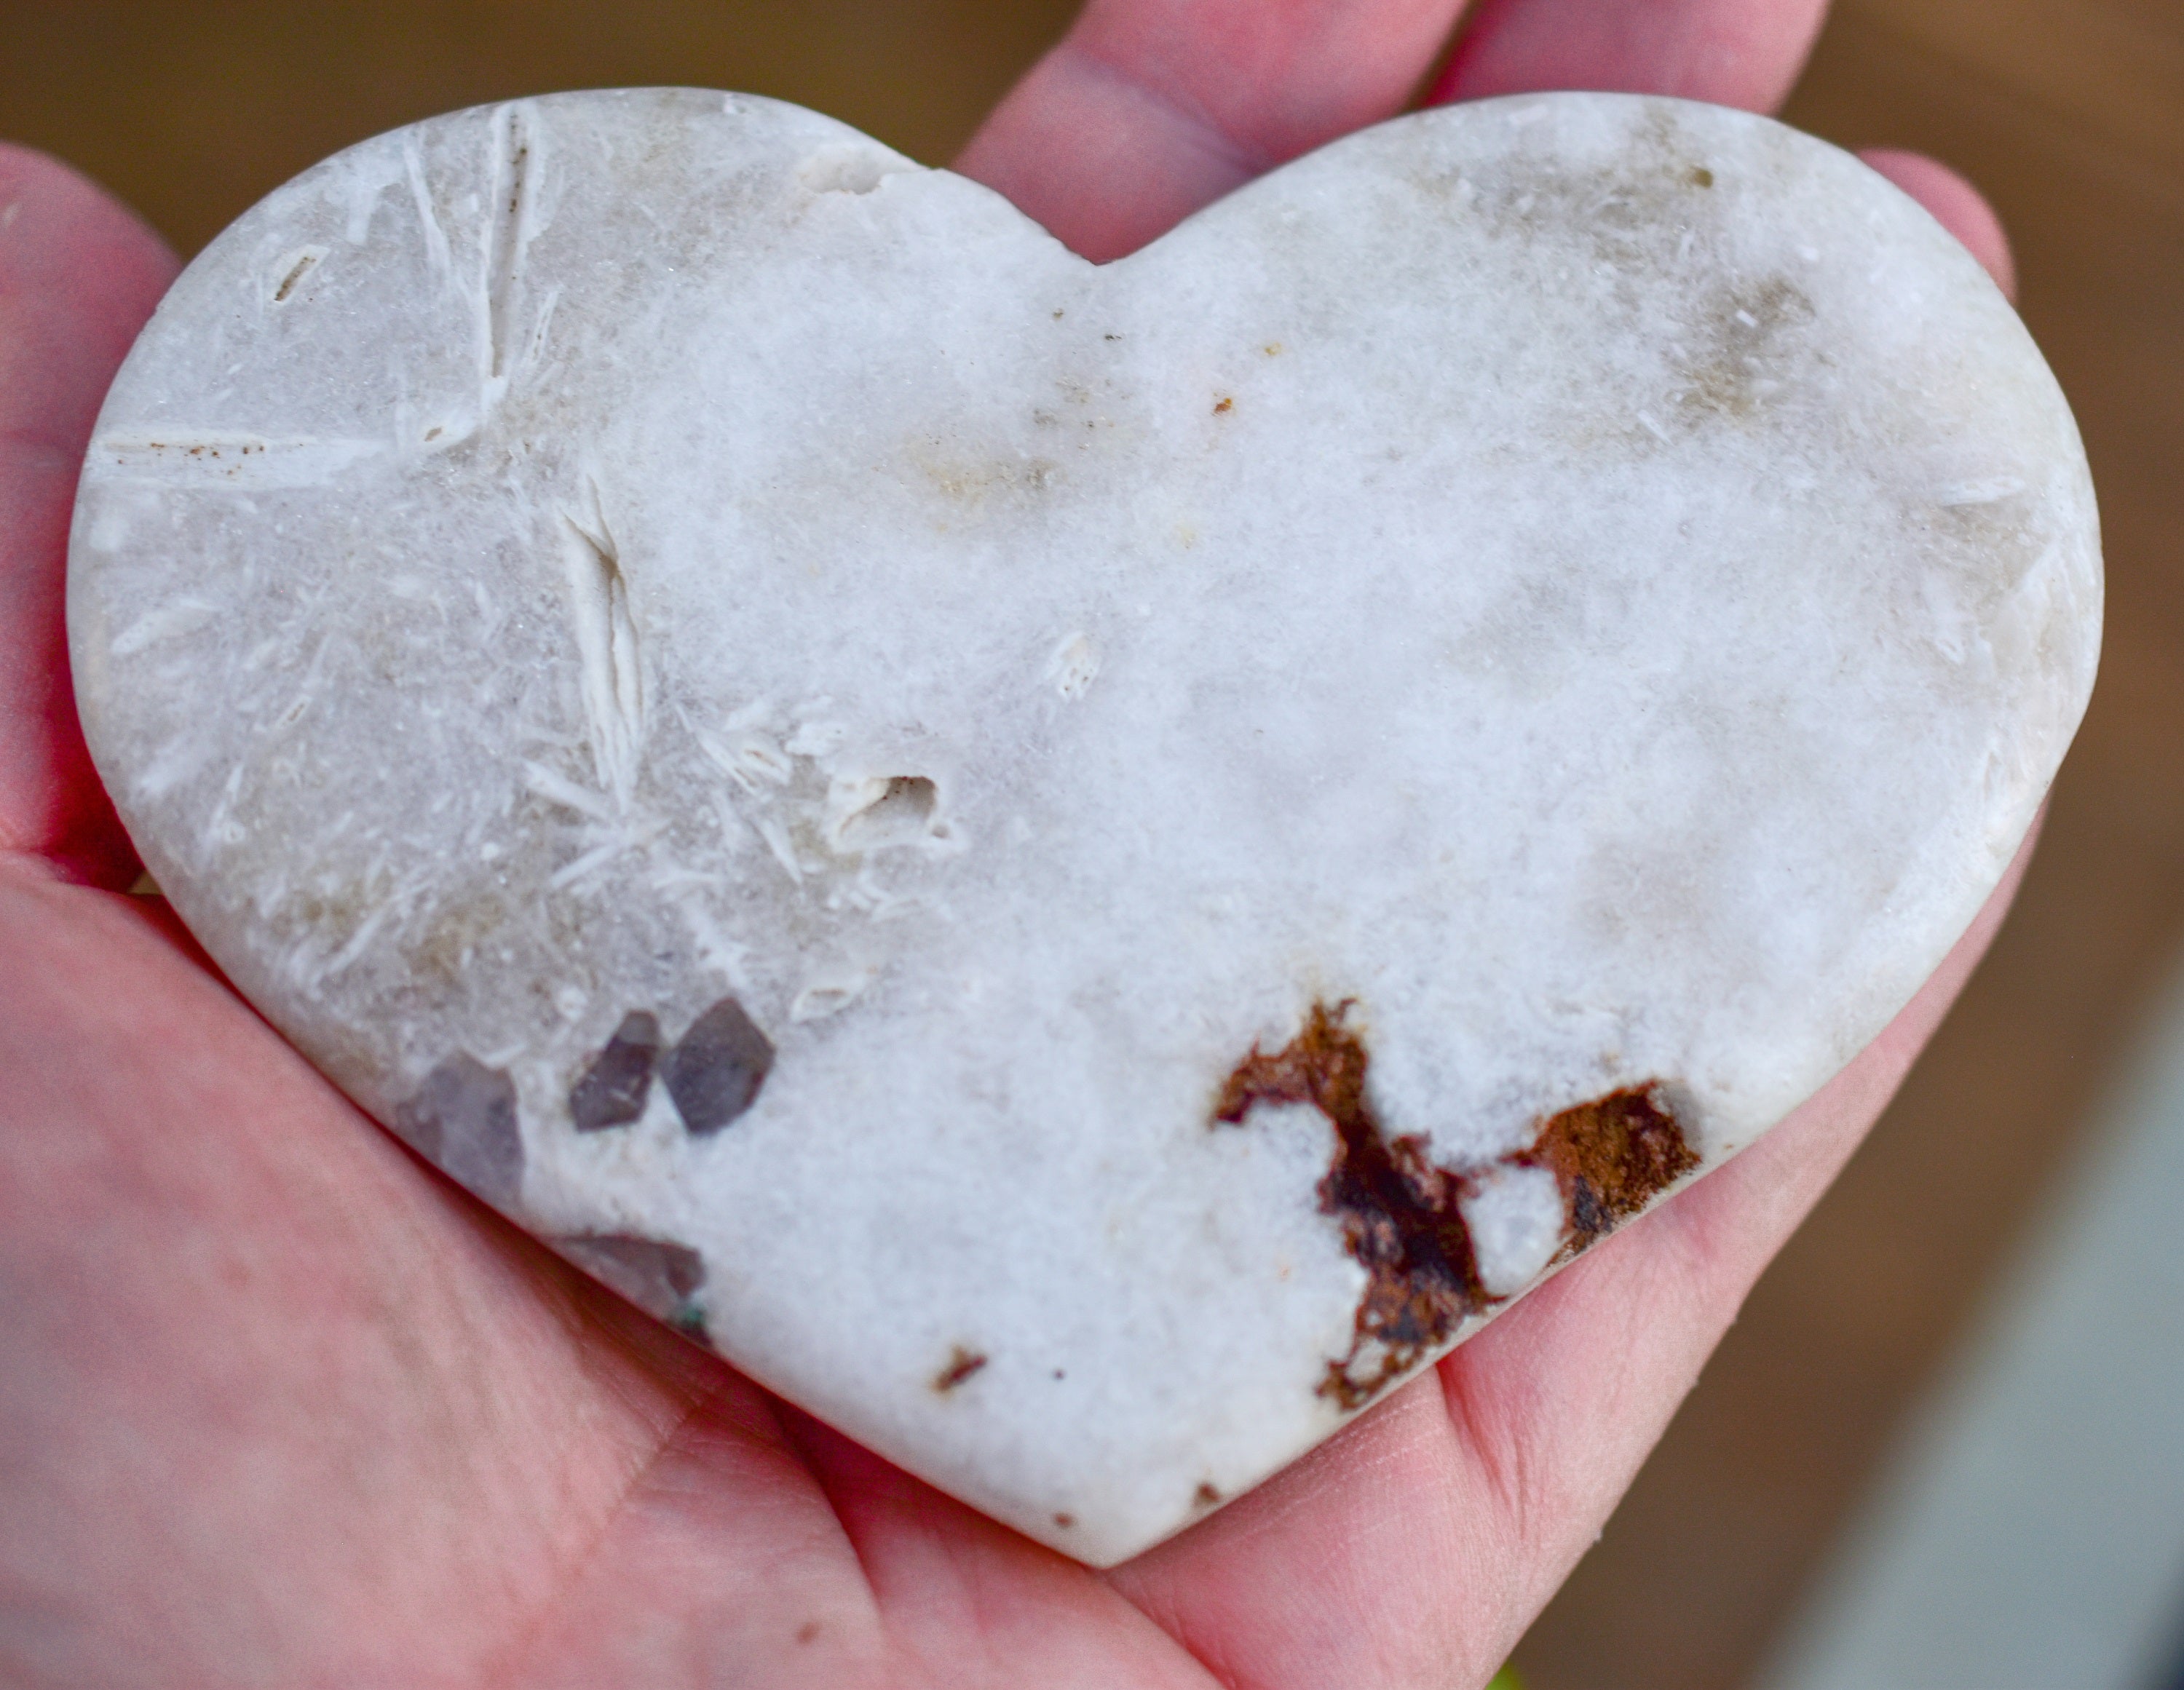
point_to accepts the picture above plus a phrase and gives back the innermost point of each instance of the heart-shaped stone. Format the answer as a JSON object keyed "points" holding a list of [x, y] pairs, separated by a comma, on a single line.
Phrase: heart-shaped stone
{"points": [[1081, 867]]}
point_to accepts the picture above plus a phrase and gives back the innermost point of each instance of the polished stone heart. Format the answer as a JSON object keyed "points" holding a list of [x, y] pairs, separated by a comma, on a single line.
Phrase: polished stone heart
{"points": [[1081, 868]]}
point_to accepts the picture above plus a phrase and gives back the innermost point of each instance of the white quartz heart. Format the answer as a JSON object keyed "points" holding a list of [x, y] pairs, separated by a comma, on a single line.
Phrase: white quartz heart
{"points": [[1081, 867]]}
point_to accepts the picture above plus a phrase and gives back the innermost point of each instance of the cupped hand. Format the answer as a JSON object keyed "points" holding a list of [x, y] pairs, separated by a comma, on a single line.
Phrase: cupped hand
{"points": [[279, 1405]]}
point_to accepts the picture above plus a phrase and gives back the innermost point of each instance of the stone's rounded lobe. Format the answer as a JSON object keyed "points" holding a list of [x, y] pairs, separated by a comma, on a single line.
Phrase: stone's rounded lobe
{"points": [[1598, 586], [714, 1071], [611, 1092]]}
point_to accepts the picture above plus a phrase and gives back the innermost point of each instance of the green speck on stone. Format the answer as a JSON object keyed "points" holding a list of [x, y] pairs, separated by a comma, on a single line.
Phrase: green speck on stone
{"points": [[1507, 1679]]}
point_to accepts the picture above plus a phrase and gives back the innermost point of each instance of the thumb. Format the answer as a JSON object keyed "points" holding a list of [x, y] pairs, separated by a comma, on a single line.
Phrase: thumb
{"points": [[78, 276]]}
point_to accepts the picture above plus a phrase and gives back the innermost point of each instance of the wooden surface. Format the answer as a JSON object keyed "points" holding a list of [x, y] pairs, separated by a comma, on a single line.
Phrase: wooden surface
{"points": [[193, 109], [2070, 115]]}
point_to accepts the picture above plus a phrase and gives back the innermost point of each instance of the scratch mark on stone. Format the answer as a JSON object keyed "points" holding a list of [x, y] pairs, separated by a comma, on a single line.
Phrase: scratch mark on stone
{"points": [[751, 760], [185, 456], [349, 953], [512, 175], [295, 268], [613, 682], [420, 195], [962, 1365], [578, 868], [171, 621], [566, 792], [777, 842]]}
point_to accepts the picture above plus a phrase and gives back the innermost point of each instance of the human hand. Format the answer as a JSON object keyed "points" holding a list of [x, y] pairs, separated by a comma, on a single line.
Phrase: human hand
{"points": [[281, 1405]]}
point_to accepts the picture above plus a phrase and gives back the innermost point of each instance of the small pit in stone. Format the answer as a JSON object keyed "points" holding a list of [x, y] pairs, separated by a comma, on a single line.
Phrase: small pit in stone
{"points": [[714, 1071], [900, 814], [847, 169]]}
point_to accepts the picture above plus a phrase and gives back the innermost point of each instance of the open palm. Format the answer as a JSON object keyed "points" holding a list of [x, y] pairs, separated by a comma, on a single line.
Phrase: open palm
{"points": [[279, 1405]]}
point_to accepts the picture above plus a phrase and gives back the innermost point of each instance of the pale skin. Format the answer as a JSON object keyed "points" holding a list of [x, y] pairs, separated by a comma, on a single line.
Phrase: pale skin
{"points": [[279, 1405]]}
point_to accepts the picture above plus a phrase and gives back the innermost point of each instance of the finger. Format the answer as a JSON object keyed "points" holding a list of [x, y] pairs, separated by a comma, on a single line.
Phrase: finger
{"points": [[1435, 1526], [1955, 204], [1152, 108], [721, 1565], [954, 1586], [289, 1400], [78, 276], [1732, 52]]}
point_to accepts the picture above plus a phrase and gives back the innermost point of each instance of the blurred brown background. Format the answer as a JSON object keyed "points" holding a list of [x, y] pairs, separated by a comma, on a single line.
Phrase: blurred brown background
{"points": [[2069, 113]]}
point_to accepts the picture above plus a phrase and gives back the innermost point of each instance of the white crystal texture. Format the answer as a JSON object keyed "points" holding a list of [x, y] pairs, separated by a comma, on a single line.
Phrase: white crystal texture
{"points": [[1515, 1219], [1597, 584]]}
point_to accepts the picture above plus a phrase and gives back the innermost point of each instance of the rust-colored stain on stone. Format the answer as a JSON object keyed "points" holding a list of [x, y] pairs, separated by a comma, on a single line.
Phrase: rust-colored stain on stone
{"points": [[1612, 1156], [1398, 1211], [962, 1365]]}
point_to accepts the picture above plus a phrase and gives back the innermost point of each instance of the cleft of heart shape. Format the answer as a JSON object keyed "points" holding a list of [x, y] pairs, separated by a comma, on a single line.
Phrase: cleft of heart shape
{"points": [[1081, 867]]}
